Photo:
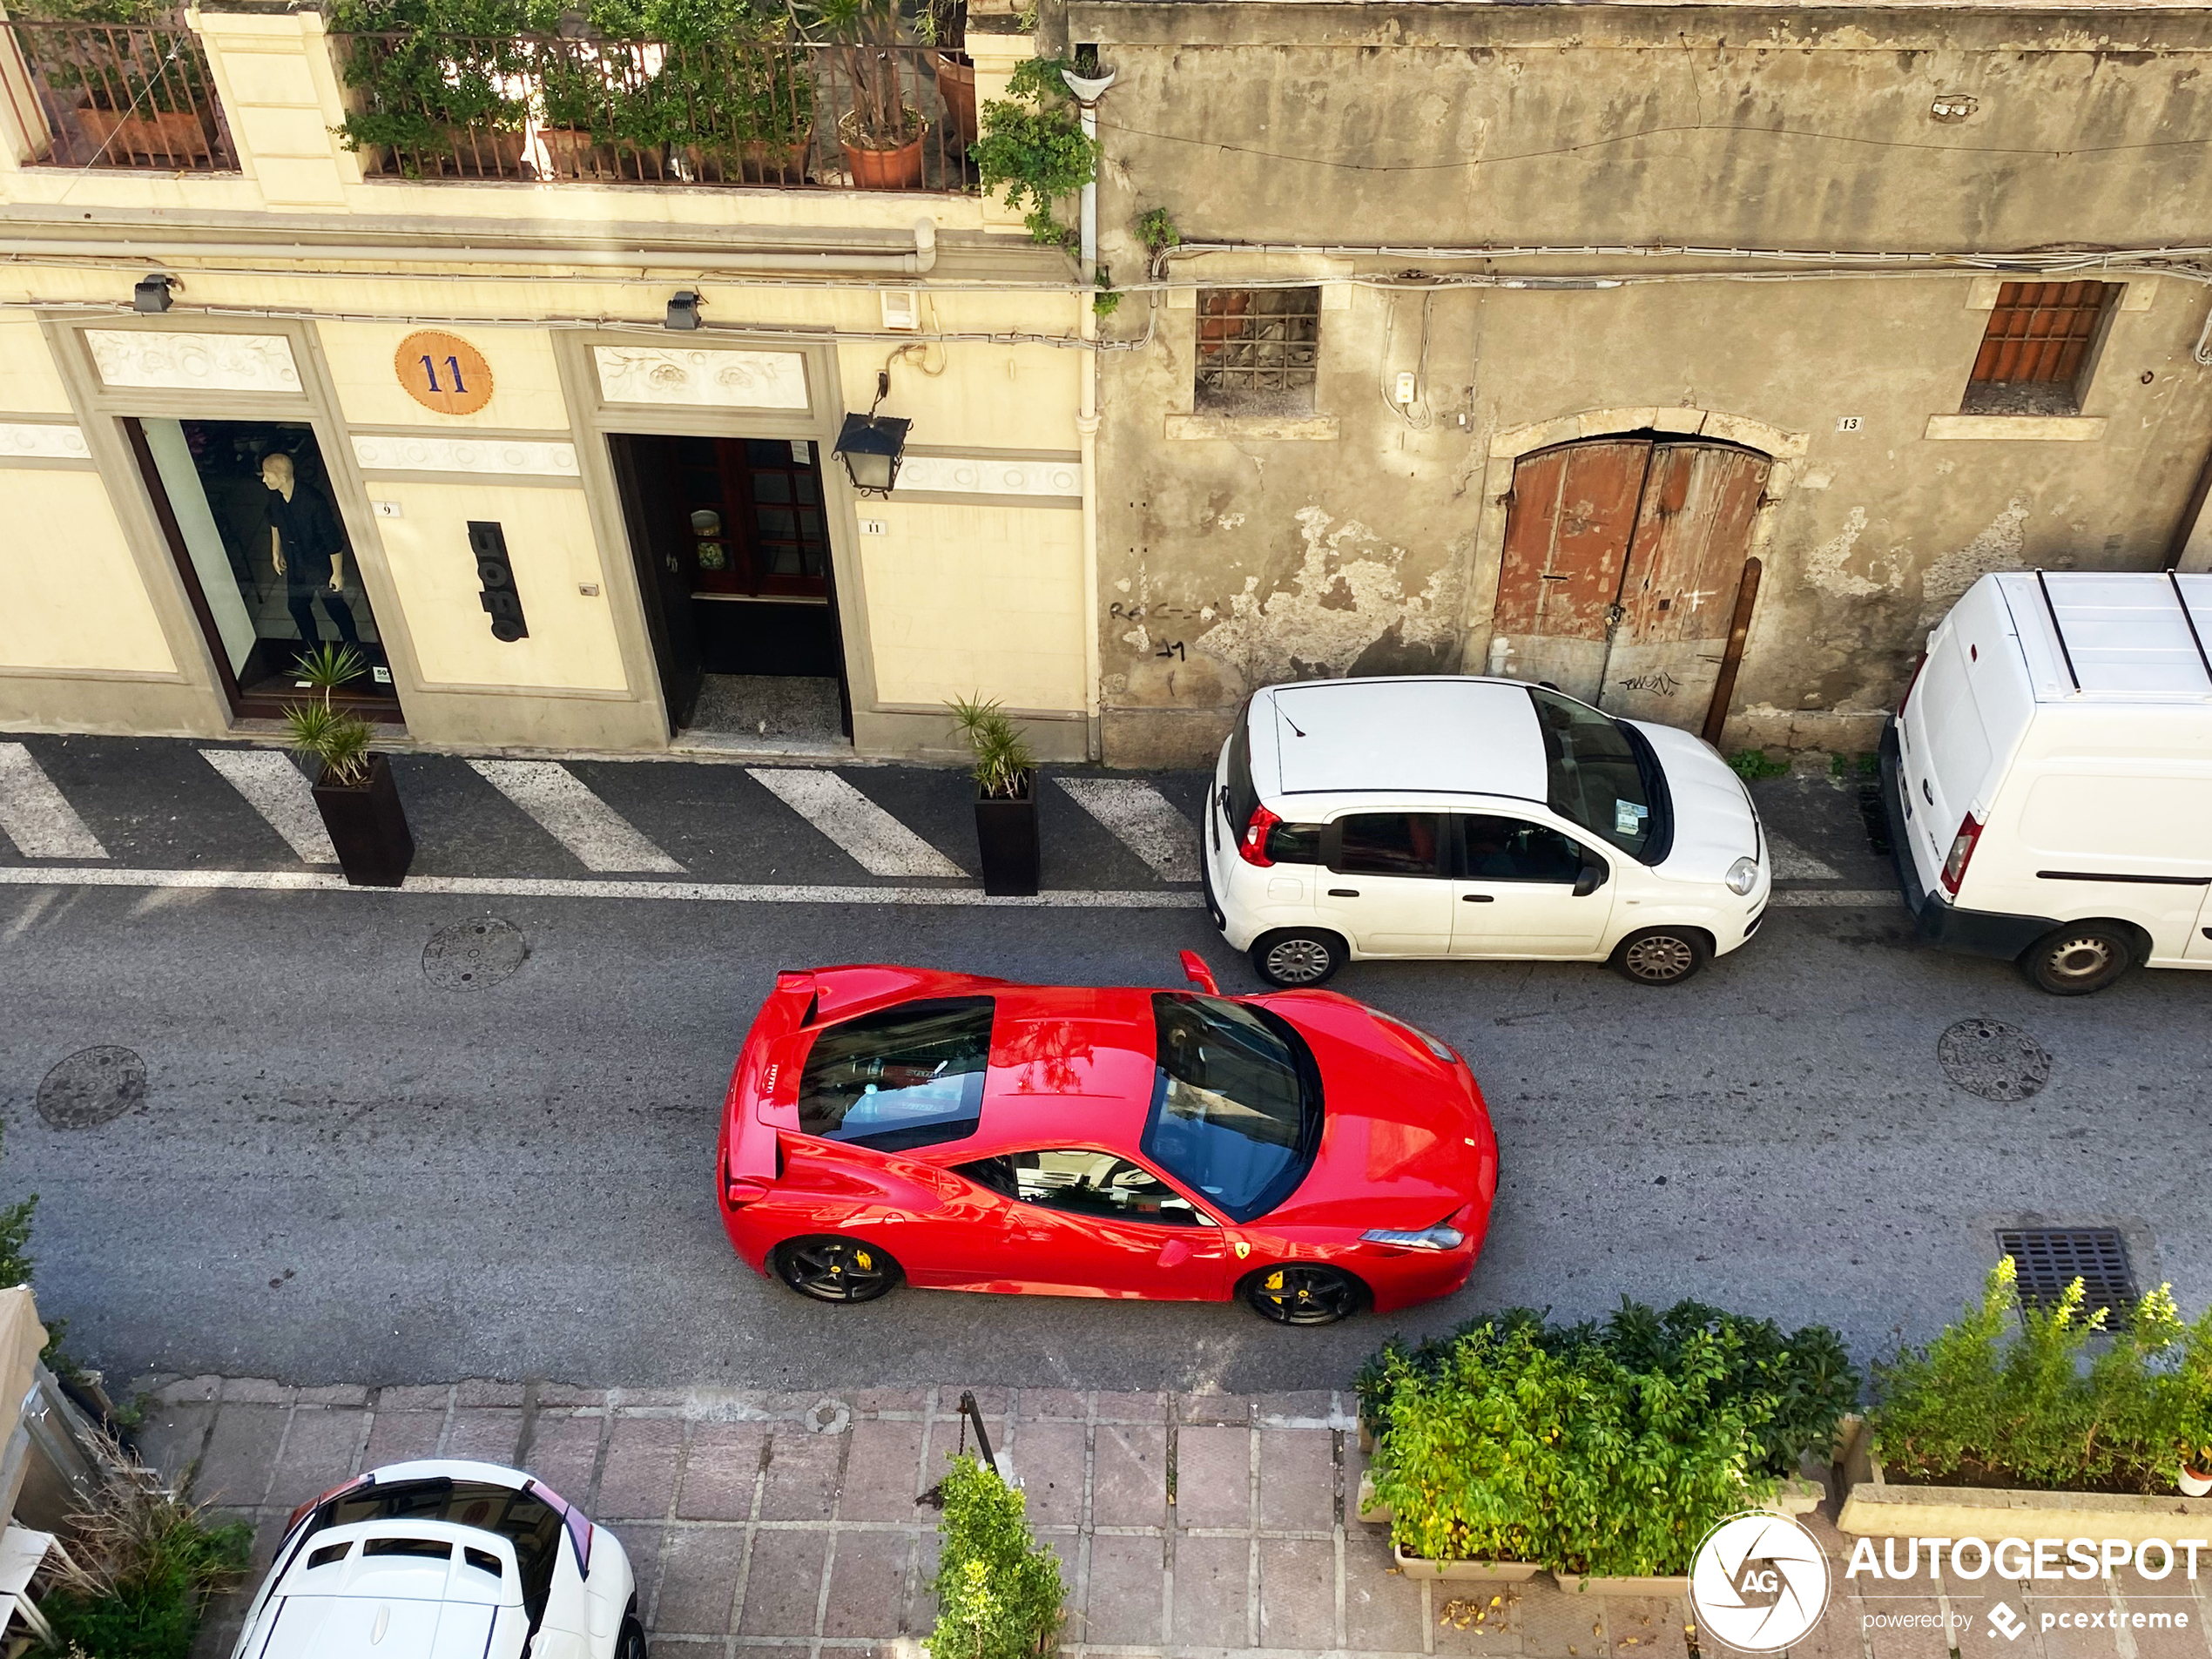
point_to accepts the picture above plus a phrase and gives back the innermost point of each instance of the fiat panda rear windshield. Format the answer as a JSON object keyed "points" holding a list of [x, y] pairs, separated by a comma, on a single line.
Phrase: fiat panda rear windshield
{"points": [[1602, 773], [1237, 1106]]}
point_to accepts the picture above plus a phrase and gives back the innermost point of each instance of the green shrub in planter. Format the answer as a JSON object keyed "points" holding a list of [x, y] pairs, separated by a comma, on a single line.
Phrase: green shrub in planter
{"points": [[2055, 1400], [998, 1590]]}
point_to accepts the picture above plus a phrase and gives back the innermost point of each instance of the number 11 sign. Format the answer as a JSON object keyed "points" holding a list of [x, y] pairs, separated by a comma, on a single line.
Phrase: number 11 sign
{"points": [[443, 372]]}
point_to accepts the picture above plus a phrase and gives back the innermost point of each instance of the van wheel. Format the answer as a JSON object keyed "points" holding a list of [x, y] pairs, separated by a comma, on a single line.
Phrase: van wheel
{"points": [[2074, 961], [1662, 955], [1297, 957]]}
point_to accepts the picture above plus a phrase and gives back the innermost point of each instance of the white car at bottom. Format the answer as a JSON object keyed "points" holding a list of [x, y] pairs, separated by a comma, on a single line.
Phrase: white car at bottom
{"points": [[444, 1560], [1460, 816]]}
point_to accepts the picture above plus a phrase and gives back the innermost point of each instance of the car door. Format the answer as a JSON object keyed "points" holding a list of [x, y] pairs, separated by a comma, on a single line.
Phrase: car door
{"points": [[1384, 887], [1088, 1223], [1526, 889], [2199, 945]]}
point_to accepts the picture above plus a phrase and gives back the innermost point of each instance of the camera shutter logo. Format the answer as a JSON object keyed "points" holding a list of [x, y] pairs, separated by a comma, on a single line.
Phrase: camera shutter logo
{"points": [[1759, 1582]]}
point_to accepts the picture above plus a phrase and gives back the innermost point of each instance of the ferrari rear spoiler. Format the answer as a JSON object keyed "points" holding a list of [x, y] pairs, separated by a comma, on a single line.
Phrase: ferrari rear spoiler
{"points": [[752, 1117]]}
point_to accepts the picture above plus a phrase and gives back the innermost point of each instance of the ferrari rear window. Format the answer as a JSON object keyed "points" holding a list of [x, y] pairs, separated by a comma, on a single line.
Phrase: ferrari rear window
{"points": [[1237, 1106], [900, 1077]]}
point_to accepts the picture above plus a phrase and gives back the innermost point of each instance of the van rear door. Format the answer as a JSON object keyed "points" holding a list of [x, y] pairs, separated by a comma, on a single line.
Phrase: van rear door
{"points": [[1963, 720]]}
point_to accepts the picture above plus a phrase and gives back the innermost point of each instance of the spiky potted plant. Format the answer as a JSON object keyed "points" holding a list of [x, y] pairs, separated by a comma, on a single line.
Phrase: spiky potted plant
{"points": [[1006, 796], [353, 788]]}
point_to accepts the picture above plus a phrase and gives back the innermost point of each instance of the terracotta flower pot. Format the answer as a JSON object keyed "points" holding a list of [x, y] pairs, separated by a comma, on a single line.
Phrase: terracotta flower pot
{"points": [[2196, 1482], [956, 85], [367, 827], [1006, 833], [574, 155], [150, 138], [872, 169]]}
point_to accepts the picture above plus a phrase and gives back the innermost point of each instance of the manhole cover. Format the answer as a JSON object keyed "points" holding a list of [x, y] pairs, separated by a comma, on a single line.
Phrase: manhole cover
{"points": [[473, 954], [827, 1417], [1994, 1059], [93, 1086]]}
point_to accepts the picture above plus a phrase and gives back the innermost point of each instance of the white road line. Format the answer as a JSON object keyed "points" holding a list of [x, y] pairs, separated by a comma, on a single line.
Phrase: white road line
{"points": [[34, 815], [1793, 863], [1835, 899], [572, 815], [1142, 819], [876, 841], [279, 792], [550, 887]]}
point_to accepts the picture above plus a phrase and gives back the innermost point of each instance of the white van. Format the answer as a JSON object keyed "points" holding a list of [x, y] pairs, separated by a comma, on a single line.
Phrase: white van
{"points": [[1464, 816], [2048, 776]]}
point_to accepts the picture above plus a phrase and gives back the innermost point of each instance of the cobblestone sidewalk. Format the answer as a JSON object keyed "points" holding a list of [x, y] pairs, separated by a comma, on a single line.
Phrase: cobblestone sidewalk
{"points": [[1195, 1524]]}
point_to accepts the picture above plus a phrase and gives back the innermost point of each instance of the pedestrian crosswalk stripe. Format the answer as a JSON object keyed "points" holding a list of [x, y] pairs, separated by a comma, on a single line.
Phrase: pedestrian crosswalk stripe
{"points": [[1143, 819], [572, 815], [33, 814], [279, 792], [1792, 863], [876, 841]]}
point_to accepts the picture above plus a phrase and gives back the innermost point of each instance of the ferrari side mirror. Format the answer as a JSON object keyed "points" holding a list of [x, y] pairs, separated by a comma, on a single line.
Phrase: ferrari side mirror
{"points": [[1195, 970]]}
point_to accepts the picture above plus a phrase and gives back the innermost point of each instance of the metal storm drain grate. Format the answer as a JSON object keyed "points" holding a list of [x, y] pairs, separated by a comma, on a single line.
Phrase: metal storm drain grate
{"points": [[472, 955], [1994, 1059], [93, 1086], [2051, 1258]]}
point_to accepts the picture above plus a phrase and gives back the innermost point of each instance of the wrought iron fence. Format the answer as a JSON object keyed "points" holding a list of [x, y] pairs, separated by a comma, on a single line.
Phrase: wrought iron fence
{"points": [[115, 95], [774, 112]]}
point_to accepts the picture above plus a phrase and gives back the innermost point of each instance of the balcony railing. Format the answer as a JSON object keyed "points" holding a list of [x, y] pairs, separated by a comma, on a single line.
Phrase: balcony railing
{"points": [[772, 112], [115, 95]]}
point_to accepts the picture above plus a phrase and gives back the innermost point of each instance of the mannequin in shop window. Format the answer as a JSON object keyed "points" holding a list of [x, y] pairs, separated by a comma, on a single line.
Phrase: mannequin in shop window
{"points": [[309, 551]]}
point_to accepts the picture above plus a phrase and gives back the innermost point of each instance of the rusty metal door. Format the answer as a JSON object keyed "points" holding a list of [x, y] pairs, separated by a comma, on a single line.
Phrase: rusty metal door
{"points": [[1621, 556]]}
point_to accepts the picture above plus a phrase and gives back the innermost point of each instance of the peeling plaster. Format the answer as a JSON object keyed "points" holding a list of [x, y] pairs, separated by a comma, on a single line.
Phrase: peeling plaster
{"points": [[1998, 547], [1825, 564], [1340, 600]]}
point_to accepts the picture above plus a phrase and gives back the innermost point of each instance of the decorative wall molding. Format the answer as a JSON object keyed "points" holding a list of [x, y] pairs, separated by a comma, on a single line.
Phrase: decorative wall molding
{"points": [[990, 475], [737, 380], [194, 362], [496, 456], [43, 442], [2007, 428]]}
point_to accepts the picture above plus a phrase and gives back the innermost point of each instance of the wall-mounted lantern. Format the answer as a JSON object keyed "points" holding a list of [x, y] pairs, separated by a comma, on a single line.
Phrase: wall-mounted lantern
{"points": [[871, 445]]}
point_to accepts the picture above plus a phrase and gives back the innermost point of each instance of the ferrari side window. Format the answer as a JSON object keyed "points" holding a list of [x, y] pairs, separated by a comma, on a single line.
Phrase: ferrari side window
{"points": [[900, 1077], [1077, 1181]]}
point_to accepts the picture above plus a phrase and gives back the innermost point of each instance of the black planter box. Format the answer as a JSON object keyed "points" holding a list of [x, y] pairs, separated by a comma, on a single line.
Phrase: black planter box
{"points": [[367, 827], [1007, 833]]}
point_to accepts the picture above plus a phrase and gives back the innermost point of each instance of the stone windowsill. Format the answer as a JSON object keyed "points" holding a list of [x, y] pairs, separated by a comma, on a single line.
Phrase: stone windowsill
{"points": [[1273, 428], [2046, 428]]}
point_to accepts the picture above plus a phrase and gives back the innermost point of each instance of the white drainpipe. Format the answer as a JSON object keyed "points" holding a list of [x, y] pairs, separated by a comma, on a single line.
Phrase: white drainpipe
{"points": [[1088, 91]]}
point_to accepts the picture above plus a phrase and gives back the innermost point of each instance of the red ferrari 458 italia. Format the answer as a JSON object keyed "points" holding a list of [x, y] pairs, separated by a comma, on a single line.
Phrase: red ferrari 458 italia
{"points": [[1298, 1150]]}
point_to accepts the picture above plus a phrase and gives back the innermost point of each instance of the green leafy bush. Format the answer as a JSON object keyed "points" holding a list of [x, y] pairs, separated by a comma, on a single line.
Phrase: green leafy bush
{"points": [[142, 1563], [1752, 765], [998, 1590], [2060, 1401], [1032, 142], [1603, 1448]]}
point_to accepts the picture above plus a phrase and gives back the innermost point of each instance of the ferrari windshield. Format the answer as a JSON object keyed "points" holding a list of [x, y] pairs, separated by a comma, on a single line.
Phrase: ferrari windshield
{"points": [[1237, 1106]]}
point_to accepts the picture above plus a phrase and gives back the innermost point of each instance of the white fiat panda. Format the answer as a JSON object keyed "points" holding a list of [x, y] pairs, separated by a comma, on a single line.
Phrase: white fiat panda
{"points": [[1461, 816]]}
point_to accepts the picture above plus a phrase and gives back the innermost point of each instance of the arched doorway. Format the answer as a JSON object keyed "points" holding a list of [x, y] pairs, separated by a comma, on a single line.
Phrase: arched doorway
{"points": [[1622, 557]]}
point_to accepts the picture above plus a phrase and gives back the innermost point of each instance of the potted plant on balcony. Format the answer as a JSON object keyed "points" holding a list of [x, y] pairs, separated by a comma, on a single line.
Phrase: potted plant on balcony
{"points": [[353, 788], [141, 97], [881, 133], [1033, 144], [1006, 798], [440, 82], [942, 26]]}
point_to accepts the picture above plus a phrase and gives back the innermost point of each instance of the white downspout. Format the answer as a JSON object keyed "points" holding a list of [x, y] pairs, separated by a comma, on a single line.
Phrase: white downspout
{"points": [[1088, 91]]}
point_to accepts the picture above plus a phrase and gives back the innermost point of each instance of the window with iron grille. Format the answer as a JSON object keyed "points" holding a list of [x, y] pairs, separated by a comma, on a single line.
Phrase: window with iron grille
{"points": [[1257, 348], [2037, 350]]}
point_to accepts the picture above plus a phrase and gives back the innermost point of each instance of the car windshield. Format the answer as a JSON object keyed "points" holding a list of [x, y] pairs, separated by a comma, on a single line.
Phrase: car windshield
{"points": [[514, 1513], [1237, 1108], [900, 1077], [1595, 774]]}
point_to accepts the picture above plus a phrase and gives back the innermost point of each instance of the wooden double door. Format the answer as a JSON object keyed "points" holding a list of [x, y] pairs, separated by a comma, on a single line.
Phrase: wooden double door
{"points": [[1622, 563]]}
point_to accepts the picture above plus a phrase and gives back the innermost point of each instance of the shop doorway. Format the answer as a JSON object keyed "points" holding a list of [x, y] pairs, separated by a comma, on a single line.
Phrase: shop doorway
{"points": [[1623, 560], [731, 540], [253, 522]]}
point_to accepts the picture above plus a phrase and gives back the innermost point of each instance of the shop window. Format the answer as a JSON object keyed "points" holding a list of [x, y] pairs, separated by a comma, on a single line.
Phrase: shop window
{"points": [[1258, 349], [253, 519], [2040, 347]]}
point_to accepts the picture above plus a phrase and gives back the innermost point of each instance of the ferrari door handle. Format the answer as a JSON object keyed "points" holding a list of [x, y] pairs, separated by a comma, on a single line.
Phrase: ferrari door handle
{"points": [[1174, 1252], [1344, 892], [1478, 898]]}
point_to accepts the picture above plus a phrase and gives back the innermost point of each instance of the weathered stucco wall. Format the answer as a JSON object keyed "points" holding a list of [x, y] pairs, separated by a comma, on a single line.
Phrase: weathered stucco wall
{"points": [[1372, 543]]}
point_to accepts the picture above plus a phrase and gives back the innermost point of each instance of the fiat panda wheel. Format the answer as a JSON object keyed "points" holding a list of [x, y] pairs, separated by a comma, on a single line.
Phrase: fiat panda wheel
{"points": [[1302, 1293], [2076, 960], [1297, 957], [1662, 955], [830, 1268]]}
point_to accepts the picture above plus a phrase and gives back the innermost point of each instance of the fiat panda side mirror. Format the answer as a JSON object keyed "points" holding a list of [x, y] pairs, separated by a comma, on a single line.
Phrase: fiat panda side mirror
{"points": [[1195, 970], [1595, 872]]}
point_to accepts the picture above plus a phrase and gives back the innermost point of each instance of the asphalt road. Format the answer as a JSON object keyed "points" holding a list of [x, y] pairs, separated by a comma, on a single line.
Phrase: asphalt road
{"points": [[341, 1172]]}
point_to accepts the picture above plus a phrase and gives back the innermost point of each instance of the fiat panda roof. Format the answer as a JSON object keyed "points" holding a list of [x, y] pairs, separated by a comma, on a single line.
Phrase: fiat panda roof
{"points": [[1443, 734]]}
